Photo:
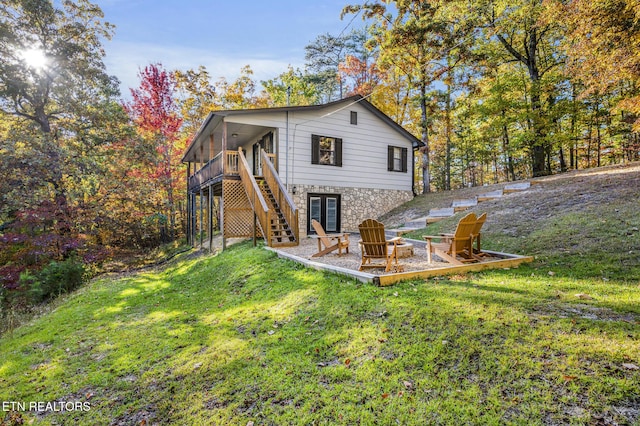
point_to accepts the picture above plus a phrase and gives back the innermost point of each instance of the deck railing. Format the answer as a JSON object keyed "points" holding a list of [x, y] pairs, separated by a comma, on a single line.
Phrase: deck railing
{"points": [[286, 204], [257, 201], [214, 168]]}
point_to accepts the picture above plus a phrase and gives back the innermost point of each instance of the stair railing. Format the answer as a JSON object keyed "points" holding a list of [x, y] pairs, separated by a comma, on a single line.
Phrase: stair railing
{"points": [[257, 201], [285, 203]]}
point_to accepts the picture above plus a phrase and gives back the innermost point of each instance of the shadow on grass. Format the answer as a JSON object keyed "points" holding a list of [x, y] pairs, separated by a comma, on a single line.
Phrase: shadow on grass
{"points": [[244, 336]]}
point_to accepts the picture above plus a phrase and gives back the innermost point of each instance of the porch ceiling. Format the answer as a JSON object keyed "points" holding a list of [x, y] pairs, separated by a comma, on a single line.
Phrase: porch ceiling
{"points": [[238, 134]]}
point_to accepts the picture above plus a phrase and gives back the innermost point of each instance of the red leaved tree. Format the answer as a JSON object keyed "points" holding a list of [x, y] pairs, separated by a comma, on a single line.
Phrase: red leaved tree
{"points": [[364, 76], [158, 122]]}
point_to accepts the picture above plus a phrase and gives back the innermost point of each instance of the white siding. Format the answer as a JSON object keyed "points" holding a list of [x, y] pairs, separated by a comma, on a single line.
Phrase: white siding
{"points": [[364, 147]]}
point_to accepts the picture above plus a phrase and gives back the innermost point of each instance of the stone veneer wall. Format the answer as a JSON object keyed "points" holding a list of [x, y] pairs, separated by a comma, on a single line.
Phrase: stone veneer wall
{"points": [[356, 204]]}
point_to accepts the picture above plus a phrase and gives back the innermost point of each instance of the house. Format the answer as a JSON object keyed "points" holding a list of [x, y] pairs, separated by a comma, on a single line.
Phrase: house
{"points": [[268, 172]]}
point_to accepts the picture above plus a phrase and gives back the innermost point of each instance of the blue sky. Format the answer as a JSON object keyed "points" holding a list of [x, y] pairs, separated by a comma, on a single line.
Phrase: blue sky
{"points": [[223, 35]]}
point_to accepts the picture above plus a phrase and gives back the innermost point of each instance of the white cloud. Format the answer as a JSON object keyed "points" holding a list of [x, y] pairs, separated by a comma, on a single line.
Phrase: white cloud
{"points": [[126, 59]]}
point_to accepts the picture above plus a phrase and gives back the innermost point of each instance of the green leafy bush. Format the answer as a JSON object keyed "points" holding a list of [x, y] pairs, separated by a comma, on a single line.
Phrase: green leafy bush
{"points": [[54, 279]]}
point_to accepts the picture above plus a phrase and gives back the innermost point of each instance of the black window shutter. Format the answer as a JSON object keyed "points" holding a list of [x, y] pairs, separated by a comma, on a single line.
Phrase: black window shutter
{"points": [[338, 152], [315, 149], [404, 159], [390, 158]]}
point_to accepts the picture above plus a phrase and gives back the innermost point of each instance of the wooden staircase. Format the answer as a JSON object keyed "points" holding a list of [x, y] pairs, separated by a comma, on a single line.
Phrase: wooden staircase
{"points": [[275, 212], [281, 233]]}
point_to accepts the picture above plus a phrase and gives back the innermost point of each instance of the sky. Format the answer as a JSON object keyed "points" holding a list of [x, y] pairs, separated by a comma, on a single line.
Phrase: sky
{"points": [[222, 35]]}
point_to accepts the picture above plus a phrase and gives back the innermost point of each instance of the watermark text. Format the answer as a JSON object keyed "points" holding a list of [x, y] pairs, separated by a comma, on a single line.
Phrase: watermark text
{"points": [[44, 406]]}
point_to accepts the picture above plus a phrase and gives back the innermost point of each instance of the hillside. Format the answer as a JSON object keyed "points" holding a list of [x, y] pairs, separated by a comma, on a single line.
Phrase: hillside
{"points": [[577, 220], [245, 338]]}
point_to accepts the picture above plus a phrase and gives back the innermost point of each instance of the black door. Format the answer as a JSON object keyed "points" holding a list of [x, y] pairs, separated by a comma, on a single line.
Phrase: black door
{"points": [[325, 208]]}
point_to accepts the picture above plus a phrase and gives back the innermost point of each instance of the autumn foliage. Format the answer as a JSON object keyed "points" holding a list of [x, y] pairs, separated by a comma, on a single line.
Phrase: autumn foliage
{"points": [[156, 117]]}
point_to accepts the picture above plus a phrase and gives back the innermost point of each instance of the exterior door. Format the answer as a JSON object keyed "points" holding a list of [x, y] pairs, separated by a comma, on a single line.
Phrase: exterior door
{"points": [[325, 208], [265, 143]]}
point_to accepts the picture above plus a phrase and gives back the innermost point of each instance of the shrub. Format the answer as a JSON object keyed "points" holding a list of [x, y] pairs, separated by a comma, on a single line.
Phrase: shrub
{"points": [[54, 279]]}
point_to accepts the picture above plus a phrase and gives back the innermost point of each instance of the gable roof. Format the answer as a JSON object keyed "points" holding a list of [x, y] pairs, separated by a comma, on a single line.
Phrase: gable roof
{"points": [[219, 115]]}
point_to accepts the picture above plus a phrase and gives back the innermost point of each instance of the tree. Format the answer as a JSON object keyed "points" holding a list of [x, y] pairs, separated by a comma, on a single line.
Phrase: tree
{"points": [[196, 97], [323, 57], [51, 59], [415, 37], [602, 45], [51, 70], [365, 75], [239, 94], [155, 113], [530, 41], [290, 88]]}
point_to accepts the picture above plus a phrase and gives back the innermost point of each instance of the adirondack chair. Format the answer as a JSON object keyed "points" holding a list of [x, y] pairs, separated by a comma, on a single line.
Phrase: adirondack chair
{"points": [[475, 236], [374, 245], [329, 243], [454, 248]]}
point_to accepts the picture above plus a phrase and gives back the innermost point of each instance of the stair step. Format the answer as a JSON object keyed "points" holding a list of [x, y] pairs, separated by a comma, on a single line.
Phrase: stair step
{"points": [[399, 232], [461, 205], [281, 233], [434, 219], [444, 212], [490, 195], [519, 186], [418, 222]]}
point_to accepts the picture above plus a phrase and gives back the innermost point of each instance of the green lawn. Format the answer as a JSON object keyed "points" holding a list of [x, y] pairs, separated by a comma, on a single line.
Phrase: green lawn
{"points": [[246, 337]]}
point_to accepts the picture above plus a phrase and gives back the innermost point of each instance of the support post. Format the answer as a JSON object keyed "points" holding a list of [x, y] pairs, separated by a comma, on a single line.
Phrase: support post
{"points": [[255, 229], [224, 148], [201, 221], [194, 218], [224, 235], [210, 211], [188, 223]]}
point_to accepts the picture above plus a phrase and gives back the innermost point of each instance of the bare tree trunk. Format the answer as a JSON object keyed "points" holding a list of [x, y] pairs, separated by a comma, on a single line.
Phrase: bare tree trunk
{"points": [[447, 167], [426, 176]]}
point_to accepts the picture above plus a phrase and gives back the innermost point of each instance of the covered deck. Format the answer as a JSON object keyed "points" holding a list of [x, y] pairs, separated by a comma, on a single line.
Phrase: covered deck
{"points": [[213, 154]]}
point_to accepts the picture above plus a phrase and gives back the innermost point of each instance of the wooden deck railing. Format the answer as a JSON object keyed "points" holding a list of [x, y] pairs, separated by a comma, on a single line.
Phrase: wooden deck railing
{"points": [[214, 168], [286, 204], [257, 201], [231, 167]]}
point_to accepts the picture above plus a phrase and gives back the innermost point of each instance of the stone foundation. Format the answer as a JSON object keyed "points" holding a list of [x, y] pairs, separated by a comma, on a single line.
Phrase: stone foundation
{"points": [[356, 204]]}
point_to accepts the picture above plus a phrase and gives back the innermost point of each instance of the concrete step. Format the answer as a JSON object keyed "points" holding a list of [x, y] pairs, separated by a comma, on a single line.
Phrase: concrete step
{"points": [[518, 186], [419, 222], [462, 205], [490, 195], [434, 219], [436, 215], [444, 212], [399, 232]]}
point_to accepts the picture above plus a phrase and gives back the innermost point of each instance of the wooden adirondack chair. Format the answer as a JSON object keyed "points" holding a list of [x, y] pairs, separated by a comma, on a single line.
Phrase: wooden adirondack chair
{"points": [[475, 236], [375, 245], [455, 248], [330, 242]]}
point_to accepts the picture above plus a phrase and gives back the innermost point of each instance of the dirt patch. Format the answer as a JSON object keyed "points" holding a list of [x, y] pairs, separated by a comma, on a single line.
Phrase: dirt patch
{"points": [[547, 197], [581, 310]]}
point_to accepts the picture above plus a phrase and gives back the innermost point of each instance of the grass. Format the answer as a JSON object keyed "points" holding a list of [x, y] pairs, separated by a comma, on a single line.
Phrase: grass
{"points": [[244, 337]]}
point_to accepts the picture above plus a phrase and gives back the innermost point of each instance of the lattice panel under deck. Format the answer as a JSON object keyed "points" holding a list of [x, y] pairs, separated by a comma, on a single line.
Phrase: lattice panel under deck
{"points": [[238, 215]]}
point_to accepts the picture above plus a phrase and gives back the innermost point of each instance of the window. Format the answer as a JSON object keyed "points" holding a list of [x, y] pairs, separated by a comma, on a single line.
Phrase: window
{"points": [[354, 117], [326, 150], [325, 208], [397, 159]]}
